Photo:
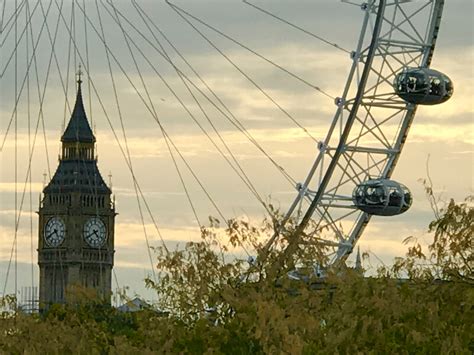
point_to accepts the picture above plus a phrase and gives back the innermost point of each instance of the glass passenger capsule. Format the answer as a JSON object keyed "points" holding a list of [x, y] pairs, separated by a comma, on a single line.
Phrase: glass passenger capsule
{"points": [[423, 86], [382, 197]]}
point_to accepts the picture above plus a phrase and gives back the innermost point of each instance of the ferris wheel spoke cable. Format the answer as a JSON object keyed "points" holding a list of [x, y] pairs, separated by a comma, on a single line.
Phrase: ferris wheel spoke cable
{"points": [[58, 67], [259, 88], [320, 38], [174, 146], [18, 96], [16, 40], [16, 160], [213, 28], [127, 150], [30, 192], [46, 80], [67, 106], [234, 122], [11, 20], [3, 16], [40, 119], [42, 93], [225, 219], [242, 173], [246, 179], [136, 186], [154, 112], [232, 119], [73, 31], [94, 183], [91, 116]]}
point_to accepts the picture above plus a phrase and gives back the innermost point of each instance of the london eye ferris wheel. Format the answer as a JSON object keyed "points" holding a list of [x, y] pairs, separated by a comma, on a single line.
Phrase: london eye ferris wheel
{"points": [[350, 178]]}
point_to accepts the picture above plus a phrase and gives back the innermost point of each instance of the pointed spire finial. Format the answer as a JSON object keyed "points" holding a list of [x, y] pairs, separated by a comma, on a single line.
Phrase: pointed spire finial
{"points": [[79, 75], [358, 264], [78, 128]]}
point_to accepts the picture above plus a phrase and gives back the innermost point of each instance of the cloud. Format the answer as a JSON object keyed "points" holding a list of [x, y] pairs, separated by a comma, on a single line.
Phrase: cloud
{"points": [[439, 132], [26, 243], [129, 233], [12, 187]]}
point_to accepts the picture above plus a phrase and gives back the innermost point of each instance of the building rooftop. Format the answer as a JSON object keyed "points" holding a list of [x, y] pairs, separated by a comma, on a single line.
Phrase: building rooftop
{"points": [[78, 176], [78, 128]]}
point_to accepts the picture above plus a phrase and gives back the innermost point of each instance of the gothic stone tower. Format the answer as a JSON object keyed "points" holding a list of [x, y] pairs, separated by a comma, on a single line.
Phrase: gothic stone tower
{"points": [[76, 218]]}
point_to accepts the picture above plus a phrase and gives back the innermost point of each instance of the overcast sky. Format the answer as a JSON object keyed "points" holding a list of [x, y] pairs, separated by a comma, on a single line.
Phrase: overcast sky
{"points": [[445, 133]]}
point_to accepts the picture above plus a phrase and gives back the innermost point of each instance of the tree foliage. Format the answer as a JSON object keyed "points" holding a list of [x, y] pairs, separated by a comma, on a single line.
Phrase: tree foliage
{"points": [[424, 303]]}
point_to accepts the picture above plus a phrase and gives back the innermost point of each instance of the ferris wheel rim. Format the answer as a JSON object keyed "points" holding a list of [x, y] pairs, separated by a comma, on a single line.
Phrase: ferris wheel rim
{"points": [[346, 245]]}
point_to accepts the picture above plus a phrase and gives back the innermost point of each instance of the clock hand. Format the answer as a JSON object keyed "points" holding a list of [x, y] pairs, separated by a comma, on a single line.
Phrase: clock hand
{"points": [[53, 232], [93, 232]]}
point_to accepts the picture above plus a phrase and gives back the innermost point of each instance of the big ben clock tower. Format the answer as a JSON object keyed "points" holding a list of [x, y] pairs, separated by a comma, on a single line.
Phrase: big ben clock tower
{"points": [[76, 218]]}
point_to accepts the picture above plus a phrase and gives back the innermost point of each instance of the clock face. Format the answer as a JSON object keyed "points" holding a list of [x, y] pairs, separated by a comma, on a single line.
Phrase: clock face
{"points": [[94, 232], [54, 232]]}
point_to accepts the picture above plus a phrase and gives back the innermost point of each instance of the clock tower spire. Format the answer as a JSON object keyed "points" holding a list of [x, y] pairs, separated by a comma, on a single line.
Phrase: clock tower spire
{"points": [[76, 217]]}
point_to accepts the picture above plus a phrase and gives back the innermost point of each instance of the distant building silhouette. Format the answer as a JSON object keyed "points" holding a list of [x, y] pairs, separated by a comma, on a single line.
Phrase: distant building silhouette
{"points": [[135, 305]]}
